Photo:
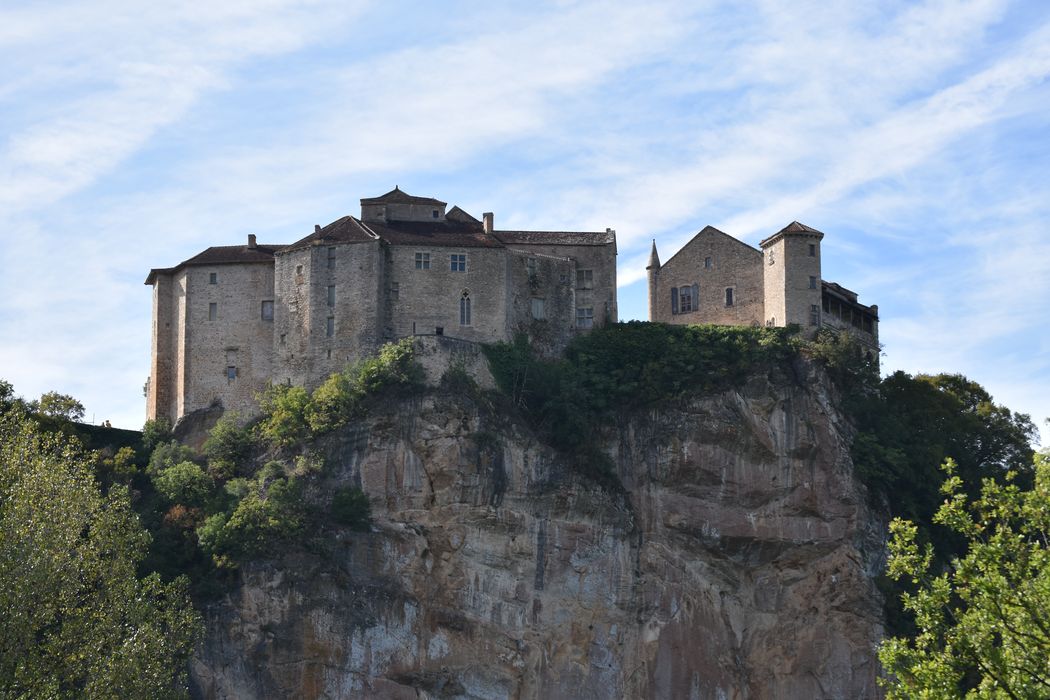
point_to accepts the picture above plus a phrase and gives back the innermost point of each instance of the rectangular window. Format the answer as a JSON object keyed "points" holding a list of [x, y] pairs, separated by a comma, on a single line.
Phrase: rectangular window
{"points": [[812, 250], [538, 311], [331, 257], [584, 279], [814, 314], [231, 373], [213, 311], [395, 290], [329, 329], [729, 296], [458, 263], [298, 269], [213, 278], [331, 295], [707, 263], [284, 338], [674, 300], [422, 261], [685, 300], [812, 282], [267, 311], [585, 318]]}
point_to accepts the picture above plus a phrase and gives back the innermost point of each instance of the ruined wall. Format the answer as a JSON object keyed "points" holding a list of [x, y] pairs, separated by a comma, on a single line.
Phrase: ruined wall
{"points": [[737, 564], [597, 294], [733, 265], [551, 281]]}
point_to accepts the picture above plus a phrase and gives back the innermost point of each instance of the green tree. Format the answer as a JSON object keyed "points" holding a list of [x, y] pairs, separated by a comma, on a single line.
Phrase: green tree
{"points": [[185, 483], [984, 620], [63, 406], [77, 621], [229, 446]]}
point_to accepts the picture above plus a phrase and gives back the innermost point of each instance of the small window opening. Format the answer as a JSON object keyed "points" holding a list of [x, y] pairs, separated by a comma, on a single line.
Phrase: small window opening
{"points": [[329, 329], [433, 213], [464, 309], [585, 317], [812, 282], [231, 373], [331, 295], [298, 269], [729, 296], [267, 310], [422, 261], [331, 257], [213, 311], [440, 330], [814, 314], [812, 250], [538, 311], [213, 278], [707, 263], [458, 262]]}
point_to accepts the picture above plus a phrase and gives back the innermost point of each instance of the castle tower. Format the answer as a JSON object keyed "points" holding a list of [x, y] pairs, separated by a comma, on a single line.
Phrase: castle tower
{"points": [[653, 271], [791, 277]]}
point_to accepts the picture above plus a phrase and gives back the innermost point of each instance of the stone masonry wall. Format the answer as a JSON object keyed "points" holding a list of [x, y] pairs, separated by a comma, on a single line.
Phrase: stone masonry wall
{"points": [[734, 265], [423, 300], [550, 280], [236, 337], [789, 288], [306, 353], [159, 395], [600, 293]]}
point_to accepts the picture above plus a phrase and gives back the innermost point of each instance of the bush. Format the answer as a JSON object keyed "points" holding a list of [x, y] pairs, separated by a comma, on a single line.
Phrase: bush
{"points": [[256, 526], [155, 432], [350, 507], [184, 483], [228, 447], [168, 454], [284, 410]]}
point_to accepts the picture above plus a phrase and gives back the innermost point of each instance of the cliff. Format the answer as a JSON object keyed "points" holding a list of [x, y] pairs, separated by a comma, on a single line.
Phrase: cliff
{"points": [[737, 562]]}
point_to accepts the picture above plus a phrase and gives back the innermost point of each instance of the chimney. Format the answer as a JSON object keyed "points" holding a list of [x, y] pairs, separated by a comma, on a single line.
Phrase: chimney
{"points": [[251, 241], [487, 217], [317, 228]]}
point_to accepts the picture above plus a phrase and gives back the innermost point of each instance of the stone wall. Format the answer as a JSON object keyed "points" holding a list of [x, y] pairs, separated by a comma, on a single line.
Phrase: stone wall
{"points": [[306, 353], [421, 301], [600, 293], [229, 357], [733, 265], [792, 279], [551, 281]]}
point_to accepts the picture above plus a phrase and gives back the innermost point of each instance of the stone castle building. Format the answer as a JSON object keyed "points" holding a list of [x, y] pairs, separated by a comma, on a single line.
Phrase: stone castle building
{"points": [[716, 278], [233, 318]]}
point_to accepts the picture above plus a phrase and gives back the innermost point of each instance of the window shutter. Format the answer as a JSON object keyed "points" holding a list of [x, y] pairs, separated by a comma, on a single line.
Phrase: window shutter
{"points": [[696, 297], [674, 300]]}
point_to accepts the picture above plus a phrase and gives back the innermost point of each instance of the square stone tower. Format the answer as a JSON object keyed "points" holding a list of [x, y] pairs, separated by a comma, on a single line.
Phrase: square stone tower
{"points": [[791, 277]]}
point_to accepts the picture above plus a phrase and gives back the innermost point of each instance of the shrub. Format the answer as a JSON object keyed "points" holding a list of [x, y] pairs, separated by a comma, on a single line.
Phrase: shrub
{"points": [[168, 454], [284, 410], [184, 483], [256, 525], [350, 507], [155, 432], [228, 447]]}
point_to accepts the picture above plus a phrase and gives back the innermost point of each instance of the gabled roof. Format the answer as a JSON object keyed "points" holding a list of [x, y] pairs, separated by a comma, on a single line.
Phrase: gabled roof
{"points": [[457, 214], [794, 227], [711, 231], [556, 237], [396, 196], [223, 255], [452, 234], [344, 230]]}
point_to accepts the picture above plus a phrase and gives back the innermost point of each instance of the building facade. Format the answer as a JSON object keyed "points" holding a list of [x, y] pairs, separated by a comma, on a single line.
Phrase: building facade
{"points": [[233, 318], [716, 278]]}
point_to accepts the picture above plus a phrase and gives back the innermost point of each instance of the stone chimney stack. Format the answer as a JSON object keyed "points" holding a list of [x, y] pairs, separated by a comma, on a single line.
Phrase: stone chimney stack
{"points": [[317, 228], [488, 217], [251, 241]]}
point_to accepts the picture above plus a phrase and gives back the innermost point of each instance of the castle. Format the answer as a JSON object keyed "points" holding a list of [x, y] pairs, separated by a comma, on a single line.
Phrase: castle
{"points": [[716, 278], [231, 319]]}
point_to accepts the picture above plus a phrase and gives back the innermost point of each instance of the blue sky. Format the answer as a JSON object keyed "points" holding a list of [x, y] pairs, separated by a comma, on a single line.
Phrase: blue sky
{"points": [[915, 135]]}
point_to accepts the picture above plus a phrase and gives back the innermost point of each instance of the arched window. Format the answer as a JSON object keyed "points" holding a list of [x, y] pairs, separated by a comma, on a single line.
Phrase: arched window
{"points": [[464, 308]]}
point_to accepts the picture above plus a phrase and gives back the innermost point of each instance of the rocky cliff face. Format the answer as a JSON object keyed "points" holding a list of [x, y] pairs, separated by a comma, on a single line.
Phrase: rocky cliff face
{"points": [[737, 564]]}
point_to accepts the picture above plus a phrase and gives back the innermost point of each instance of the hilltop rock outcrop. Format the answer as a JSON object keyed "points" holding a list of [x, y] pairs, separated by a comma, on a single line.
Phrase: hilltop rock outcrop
{"points": [[737, 562]]}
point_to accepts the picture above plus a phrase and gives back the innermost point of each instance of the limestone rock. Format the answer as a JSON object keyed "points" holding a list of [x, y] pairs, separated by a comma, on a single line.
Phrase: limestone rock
{"points": [[737, 563]]}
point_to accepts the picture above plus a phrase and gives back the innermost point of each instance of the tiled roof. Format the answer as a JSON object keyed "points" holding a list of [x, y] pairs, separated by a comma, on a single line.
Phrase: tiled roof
{"points": [[796, 227], [556, 237], [457, 214], [344, 230], [223, 255], [454, 234], [396, 196]]}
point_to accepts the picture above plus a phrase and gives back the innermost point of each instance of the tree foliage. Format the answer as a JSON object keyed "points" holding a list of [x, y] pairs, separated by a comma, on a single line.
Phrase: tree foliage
{"points": [[984, 620], [77, 621], [62, 406]]}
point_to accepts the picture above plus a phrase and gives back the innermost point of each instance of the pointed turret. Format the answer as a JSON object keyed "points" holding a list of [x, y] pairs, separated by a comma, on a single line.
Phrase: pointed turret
{"points": [[654, 259], [653, 272]]}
